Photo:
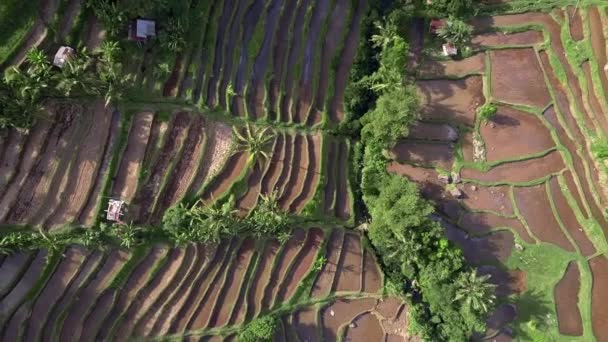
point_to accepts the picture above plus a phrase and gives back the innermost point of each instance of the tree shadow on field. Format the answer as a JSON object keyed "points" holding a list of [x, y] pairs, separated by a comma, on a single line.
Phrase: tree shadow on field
{"points": [[505, 120], [533, 310]]}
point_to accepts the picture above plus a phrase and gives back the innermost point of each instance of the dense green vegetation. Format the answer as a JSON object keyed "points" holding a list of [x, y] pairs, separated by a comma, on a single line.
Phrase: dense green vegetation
{"points": [[260, 329], [14, 28]]}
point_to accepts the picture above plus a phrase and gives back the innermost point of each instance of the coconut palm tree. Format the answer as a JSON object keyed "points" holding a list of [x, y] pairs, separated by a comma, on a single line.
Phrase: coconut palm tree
{"points": [[456, 31], [254, 141], [386, 34], [475, 292]]}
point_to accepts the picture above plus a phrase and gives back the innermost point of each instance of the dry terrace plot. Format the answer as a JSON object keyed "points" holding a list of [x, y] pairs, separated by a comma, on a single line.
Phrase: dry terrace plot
{"points": [[160, 291]]}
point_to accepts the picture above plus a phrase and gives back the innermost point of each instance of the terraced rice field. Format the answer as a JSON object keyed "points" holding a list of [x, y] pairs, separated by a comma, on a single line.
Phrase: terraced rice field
{"points": [[532, 209], [199, 290]]}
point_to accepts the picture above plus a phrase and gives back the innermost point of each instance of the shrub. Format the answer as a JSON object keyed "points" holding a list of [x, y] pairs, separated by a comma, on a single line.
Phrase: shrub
{"points": [[456, 31], [600, 150], [258, 330], [486, 112]]}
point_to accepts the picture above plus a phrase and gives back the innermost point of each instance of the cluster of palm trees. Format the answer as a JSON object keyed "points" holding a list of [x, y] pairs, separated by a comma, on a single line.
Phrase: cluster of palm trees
{"points": [[25, 91]]}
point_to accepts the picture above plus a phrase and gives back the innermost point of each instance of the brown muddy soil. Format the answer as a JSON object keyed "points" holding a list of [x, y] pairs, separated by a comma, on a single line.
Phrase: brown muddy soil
{"points": [[454, 101], [144, 298], [566, 302], [365, 327], [290, 250], [508, 282], [305, 324], [454, 68], [11, 154], [275, 169], [599, 297], [427, 180], [494, 198], [343, 198], [592, 98], [511, 134], [128, 172], [598, 43], [495, 247], [482, 223], [518, 172], [333, 40], [261, 279], [341, 312], [498, 38], [567, 216], [301, 268], [521, 67], [73, 324], [312, 174], [427, 154], [232, 169], [299, 168], [349, 269], [233, 283], [336, 108], [53, 290], [432, 131], [371, 278], [323, 285], [576, 23], [82, 174], [254, 183], [535, 207]]}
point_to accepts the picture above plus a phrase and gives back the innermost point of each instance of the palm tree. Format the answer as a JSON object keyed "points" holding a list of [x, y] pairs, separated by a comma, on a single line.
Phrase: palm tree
{"points": [[456, 31], [475, 292], [37, 60], [254, 141], [110, 50], [387, 33], [75, 75]]}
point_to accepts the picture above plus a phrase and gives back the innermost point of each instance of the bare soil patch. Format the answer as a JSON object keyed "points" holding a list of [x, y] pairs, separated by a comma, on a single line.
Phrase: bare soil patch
{"points": [[324, 283], [128, 171], [495, 247], [13, 146], [372, 278], [301, 265], [426, 178], [491, 39], [233, 168], [185, 168], [343, 200], [329, 200], [275, 169], [508, 282], [336, 109], [289, 252], [518, 66], [519, 172], [432, 131], [73, 324], [145, 298], [306, 325], [599, 297], [536, 210], [576, 23], [222, 306], [494, 198], [482, 223], [312, 174], [341, 312], [428, 154], [566, 302], [261, 279], [598, 43], [451, 100], [512, 133], [351, 263], [567, 216], [366, 327], [454, 68], [54, 289], [288, 162], [248, 201], [299, 168], [593, 99]]}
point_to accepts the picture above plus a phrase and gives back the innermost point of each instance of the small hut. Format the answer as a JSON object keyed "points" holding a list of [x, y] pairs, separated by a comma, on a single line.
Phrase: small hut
{"points": [[449, 49], [142, 29], [115, 209], [62, 56]]}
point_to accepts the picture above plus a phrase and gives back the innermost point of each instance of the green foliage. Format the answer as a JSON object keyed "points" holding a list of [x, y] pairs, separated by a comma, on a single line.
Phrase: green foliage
{"points": [[395, 111], [258, 330], [457, 8], [172, 37], [317, 266], [16, 19], [600, 150], [487, 112], [456, 31], [254, 141], [474, 292]]}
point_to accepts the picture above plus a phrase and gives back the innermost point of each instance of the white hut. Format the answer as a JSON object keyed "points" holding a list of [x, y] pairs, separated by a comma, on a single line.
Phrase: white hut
{"points": [[62, 56]]}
